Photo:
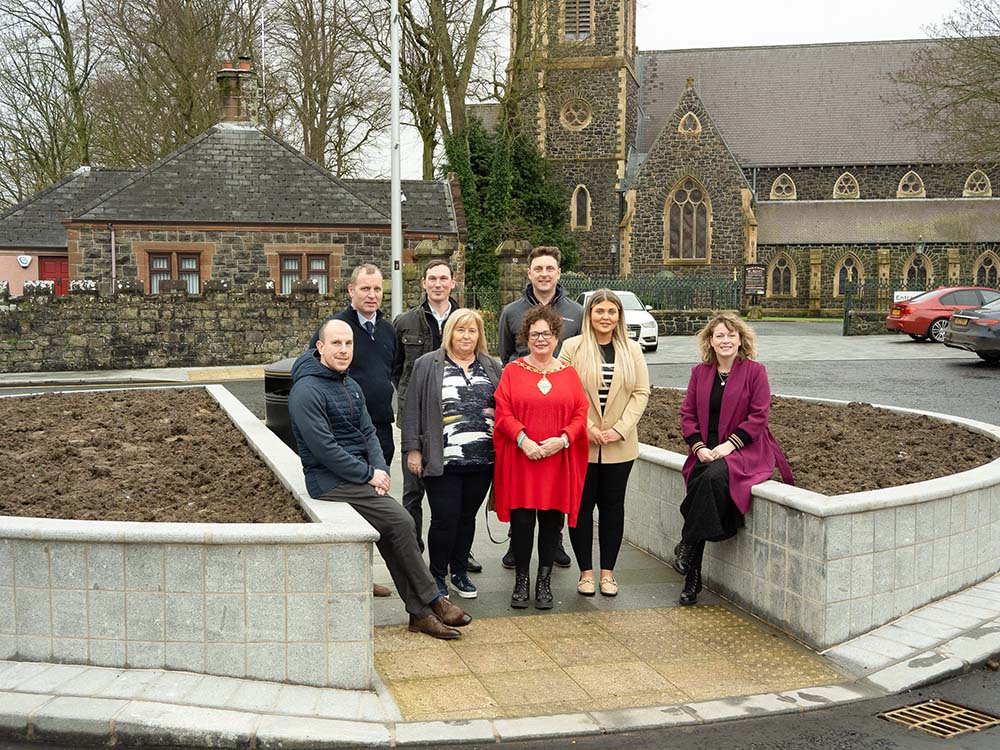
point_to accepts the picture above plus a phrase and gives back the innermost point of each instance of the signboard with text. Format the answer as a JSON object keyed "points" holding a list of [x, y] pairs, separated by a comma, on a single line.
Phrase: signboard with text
{"points": [[754, 279]]}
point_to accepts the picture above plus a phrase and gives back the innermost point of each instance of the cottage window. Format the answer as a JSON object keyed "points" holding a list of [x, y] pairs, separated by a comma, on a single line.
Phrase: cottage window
{"points": [[577, 18], [580, 209], [911, 186], [978, 185], [781, 278], [302, 267], [175, 266], [849, 271], [918, 272], [687, 220], [783, 188], [987, 268]]}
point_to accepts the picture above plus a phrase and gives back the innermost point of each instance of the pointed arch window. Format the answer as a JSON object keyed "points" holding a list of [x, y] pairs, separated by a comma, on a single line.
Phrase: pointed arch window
{"points": [[849, 271], [911, 186], [689, 124], [687, 219], [978, 185], [580, 209], [781, 277], [783, 188], [578, 17], [987, 270], [846, 186], [918, 272]]}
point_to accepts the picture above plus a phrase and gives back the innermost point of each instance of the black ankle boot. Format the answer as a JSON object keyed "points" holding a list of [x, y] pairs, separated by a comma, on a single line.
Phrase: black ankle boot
{"points": [[682, 557], [692, 587], [520, 597], [543, 588]]}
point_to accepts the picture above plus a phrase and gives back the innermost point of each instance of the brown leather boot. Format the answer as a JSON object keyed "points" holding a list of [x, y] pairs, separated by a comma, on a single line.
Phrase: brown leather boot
{"points": [[432, 626], [450, 614]]}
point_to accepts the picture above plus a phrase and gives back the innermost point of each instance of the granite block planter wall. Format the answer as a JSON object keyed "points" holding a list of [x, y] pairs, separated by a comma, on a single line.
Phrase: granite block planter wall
{"points": [[826, 569], [283, 602]]}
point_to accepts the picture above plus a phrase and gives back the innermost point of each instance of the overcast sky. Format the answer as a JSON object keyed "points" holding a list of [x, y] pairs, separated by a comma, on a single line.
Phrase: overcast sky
{"points": [[672, 24]]}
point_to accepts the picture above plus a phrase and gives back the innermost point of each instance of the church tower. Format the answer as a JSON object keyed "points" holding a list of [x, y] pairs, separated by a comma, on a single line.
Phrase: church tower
{"points": [[583, 109]]}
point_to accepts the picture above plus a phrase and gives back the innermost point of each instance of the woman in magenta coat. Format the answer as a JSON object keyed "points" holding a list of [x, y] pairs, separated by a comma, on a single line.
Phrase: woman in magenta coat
{"points": [[724, 422]]}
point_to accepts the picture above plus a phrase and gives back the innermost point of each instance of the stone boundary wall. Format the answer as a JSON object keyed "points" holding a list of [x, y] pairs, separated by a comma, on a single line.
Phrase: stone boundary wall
{"points": [[682, 322], [280, 602], [826, 569], [865, 323]]}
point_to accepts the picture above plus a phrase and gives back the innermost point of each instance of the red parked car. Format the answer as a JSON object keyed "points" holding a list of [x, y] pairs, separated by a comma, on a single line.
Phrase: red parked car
{"points": [[926, 316]]}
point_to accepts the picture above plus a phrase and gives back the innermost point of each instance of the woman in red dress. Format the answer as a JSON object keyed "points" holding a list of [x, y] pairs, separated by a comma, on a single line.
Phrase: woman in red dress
{"points": [[540, 435]]}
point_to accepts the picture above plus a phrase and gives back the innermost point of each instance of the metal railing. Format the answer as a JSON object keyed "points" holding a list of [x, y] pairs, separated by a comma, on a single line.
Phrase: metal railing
{"points": [[664, 293]]}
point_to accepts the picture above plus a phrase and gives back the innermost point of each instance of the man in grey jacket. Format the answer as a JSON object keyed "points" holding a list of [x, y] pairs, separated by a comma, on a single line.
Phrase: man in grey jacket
{"points": [[543, 289]]}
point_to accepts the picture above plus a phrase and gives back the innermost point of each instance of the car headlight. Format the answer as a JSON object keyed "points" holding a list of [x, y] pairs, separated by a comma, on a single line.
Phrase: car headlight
{"points": [[650, 324]]}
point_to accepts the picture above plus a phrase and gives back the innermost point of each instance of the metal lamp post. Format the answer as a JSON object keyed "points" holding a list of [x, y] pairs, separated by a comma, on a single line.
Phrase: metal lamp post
{"points": [[396, 213]]}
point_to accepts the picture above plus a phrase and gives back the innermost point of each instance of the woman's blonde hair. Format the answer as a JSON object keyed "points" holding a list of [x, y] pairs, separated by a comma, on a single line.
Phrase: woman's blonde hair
{"points": [[732, 322], [463, 315], [588, 356]]}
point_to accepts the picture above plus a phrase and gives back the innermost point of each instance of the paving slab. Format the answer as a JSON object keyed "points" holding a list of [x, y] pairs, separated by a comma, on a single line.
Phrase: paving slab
{"points": [[91, 682], [76, 719], [536, 727], [161, 724], [921, 670], [16, 710], [296, 733], [431, 732], [21, 672], [627, 719]]}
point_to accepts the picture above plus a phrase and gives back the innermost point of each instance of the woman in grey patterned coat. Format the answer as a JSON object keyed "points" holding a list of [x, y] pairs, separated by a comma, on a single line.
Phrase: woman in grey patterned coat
{"points": [[448, 441]]}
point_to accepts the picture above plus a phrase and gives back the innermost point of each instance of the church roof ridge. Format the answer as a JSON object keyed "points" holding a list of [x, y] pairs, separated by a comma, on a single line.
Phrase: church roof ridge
{"points": [[803, 45]]}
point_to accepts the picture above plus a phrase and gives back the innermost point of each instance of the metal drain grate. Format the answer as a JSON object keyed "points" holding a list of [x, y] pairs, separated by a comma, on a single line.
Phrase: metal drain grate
{"points": [[941, 718]]}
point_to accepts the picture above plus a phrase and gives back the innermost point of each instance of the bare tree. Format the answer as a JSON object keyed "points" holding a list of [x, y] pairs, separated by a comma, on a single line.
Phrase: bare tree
{"points": [[46, 68], [953, 86]]}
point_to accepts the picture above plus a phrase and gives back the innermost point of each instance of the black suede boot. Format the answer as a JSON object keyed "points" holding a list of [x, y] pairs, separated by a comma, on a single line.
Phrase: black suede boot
{"points": [[543, 588], [692, 587], [520, 597]]}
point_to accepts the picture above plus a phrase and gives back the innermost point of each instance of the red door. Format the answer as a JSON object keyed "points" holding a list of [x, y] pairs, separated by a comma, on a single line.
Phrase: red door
{"points": [[57, 270]]}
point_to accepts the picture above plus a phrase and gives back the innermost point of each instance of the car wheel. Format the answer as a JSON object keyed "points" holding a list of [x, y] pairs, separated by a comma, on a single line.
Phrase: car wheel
{"points": [[992, 357], [935, 331], [917, 337]]}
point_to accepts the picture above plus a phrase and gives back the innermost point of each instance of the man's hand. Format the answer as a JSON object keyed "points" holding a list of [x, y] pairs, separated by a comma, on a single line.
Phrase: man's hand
{"points": [[380, 481], [531, 449], [415, 463], [551, 446]]}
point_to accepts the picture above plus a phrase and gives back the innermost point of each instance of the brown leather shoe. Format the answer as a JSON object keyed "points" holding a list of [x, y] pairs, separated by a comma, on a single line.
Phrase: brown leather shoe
{"points": [[432, 626], [378, 590], [450, 614]]}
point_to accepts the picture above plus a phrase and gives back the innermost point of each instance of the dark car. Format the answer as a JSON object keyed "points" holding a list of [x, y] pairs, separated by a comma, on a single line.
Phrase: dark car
{"points": [[926, 315], [976, 331]]}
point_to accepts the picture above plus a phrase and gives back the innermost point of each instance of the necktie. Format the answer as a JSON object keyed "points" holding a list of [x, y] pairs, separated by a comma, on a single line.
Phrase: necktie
{"points": [[370, 327]]}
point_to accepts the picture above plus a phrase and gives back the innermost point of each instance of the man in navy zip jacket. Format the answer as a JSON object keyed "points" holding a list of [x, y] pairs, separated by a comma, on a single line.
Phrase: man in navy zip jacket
{"points": [[374, 349], [343, 462]]}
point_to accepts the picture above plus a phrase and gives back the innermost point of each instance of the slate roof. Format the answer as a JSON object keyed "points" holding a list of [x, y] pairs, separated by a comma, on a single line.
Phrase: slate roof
{"points": [[427, 209], [235, 174], [864, 221], [37, 221], [796, 105]]}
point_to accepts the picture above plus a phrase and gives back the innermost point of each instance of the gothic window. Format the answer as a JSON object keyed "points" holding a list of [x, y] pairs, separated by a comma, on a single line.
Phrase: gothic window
{"points": [[687, 223], [580, 209], [689, 124], [978, 185], [576, 114], [578, 17], [783, 188], [781, 277], [849, 271], [911, 186], [987, 270], [918, 272], [846, 187]]}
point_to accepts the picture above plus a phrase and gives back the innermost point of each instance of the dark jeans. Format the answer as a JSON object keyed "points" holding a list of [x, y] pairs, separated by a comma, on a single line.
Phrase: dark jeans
{"points": [[604, 488], [455, 497], [413, 499], [522, 535], [384, 433], [396, 544]]}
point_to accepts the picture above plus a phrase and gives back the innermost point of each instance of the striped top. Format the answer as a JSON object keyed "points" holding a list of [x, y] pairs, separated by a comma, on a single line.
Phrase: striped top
{"points": [[607, 372]]}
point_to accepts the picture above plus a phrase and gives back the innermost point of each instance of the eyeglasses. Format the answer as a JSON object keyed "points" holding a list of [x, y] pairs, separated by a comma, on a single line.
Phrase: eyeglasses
{"points": [[540, 335]]}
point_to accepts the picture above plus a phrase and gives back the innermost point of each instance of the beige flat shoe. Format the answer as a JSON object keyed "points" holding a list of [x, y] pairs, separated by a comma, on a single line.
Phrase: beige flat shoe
{"points": [[586, 587], [609, 586]]}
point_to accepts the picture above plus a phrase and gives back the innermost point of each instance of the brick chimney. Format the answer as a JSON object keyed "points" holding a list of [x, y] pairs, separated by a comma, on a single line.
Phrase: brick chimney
{"points": [[235, 83]]}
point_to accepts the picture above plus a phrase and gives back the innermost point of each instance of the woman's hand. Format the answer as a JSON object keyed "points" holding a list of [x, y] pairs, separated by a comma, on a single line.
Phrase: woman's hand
{"points": [[551, 446], [415, 463], [596, 436], [611, 436], [722, 450], [532, 450], [705, 455]]}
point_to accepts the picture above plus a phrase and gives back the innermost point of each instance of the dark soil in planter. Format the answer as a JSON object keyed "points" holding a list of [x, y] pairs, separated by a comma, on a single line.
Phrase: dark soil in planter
{"points": [[141, 455], [839, 449]]}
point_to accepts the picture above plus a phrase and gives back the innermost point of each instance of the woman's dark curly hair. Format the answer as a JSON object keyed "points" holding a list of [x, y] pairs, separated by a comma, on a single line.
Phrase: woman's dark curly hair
{"points": [[536, 313]]}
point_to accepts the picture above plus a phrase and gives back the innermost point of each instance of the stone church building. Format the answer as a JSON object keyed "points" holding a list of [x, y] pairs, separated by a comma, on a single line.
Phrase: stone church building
{"points": [[693, 163]]}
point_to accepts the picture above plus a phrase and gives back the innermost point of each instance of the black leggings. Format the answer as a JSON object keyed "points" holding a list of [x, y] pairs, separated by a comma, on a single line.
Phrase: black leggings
{"points": [[455, 498], [604, 488], [522, 535]]}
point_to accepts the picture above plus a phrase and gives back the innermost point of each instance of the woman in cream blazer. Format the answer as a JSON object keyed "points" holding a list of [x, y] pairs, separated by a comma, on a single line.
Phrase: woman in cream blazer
{"points": [[616, 381]]}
